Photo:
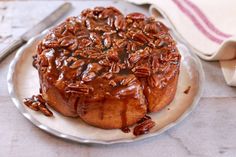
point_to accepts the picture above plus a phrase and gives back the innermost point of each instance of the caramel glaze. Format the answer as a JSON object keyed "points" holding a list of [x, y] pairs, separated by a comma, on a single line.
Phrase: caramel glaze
{"points": [[103, 54]]}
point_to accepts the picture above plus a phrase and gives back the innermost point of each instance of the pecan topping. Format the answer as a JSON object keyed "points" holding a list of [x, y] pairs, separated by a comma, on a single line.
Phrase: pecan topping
{"points": [[141, 71], [136, 16], [151, 28], [50, 43], [134, 46], [120, 43], [119, 22], [77, 64], [135, 57], [43, 61], [88, 76], [90, 24], [154, 81], [128, 91], [94, 67], [104, 62], [71, 59], [36, 103], [113, 55], [112, 83], [95, 38], [128, 80], [107, 75], [84, 42], [107, 41], [105, 13], [115, 68], [67, 41], [140, 37], [80, 89]]}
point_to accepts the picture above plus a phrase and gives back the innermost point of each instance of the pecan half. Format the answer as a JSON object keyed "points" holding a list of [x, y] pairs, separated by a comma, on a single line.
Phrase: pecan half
{"points": [[105, 13], [107, 41], [107, 75], [67, 41], [113, 55], [84, 42], [80, 89], [112, 83], [31, 104], [154, 81], [127, 91], [128, 80], [141, 71], [115, 68], [136, 16], [146, 117], [94, 67], [43, 108], [36, 103], [151, 28], [143, 127], [88, 76], [95, 38], [50, 43], [119, 22], [77, 64], [104, 62], [120, 43], [140, 37], [135, 57]]}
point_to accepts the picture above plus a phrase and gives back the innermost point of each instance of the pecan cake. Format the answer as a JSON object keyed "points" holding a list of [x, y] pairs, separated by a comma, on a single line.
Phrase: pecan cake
{"points": [[106, 68]]}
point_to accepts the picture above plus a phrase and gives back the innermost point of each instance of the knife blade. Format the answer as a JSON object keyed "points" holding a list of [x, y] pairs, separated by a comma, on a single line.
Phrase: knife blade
{"points": [[38, 28]]}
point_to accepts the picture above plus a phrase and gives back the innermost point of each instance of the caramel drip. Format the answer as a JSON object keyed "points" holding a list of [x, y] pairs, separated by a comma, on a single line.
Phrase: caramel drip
{"points": [[76, 104], [102, 109], [123, 114], [125, 129], [187, 90]]}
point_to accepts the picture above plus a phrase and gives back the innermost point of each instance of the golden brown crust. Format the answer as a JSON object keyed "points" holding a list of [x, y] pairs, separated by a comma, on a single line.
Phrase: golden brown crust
{"points": [[160, 98], [105, 62]]}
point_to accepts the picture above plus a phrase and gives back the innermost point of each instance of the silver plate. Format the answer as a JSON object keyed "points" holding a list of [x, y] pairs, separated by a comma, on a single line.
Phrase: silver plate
{"points": [[23, 82]]}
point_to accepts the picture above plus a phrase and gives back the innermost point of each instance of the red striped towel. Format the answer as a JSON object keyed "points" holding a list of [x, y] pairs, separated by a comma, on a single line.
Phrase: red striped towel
{"points": [[209, 27]]}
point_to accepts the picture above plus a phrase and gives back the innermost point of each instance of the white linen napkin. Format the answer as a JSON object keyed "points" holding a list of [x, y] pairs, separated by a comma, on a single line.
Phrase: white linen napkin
{"points": [[209, 27]]}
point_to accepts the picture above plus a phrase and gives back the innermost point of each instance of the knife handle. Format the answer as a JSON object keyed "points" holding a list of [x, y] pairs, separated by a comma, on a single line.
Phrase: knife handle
{"points": [[15, 44]]}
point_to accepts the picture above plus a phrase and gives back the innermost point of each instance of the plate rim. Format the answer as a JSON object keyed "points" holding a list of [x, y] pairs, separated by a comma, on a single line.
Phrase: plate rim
{"points": [[54, 132]]}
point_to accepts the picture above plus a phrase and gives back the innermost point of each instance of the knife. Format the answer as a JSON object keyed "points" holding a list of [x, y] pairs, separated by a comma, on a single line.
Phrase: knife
{"points": [[45, 23]]}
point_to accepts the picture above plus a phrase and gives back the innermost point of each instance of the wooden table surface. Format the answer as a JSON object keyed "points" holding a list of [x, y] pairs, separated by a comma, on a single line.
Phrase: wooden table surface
{"points": [[210, 131]]}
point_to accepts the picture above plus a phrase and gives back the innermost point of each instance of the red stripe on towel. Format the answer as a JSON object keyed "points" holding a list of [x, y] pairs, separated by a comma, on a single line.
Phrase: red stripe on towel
{"points": [[197, 23], [205, 19]]}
